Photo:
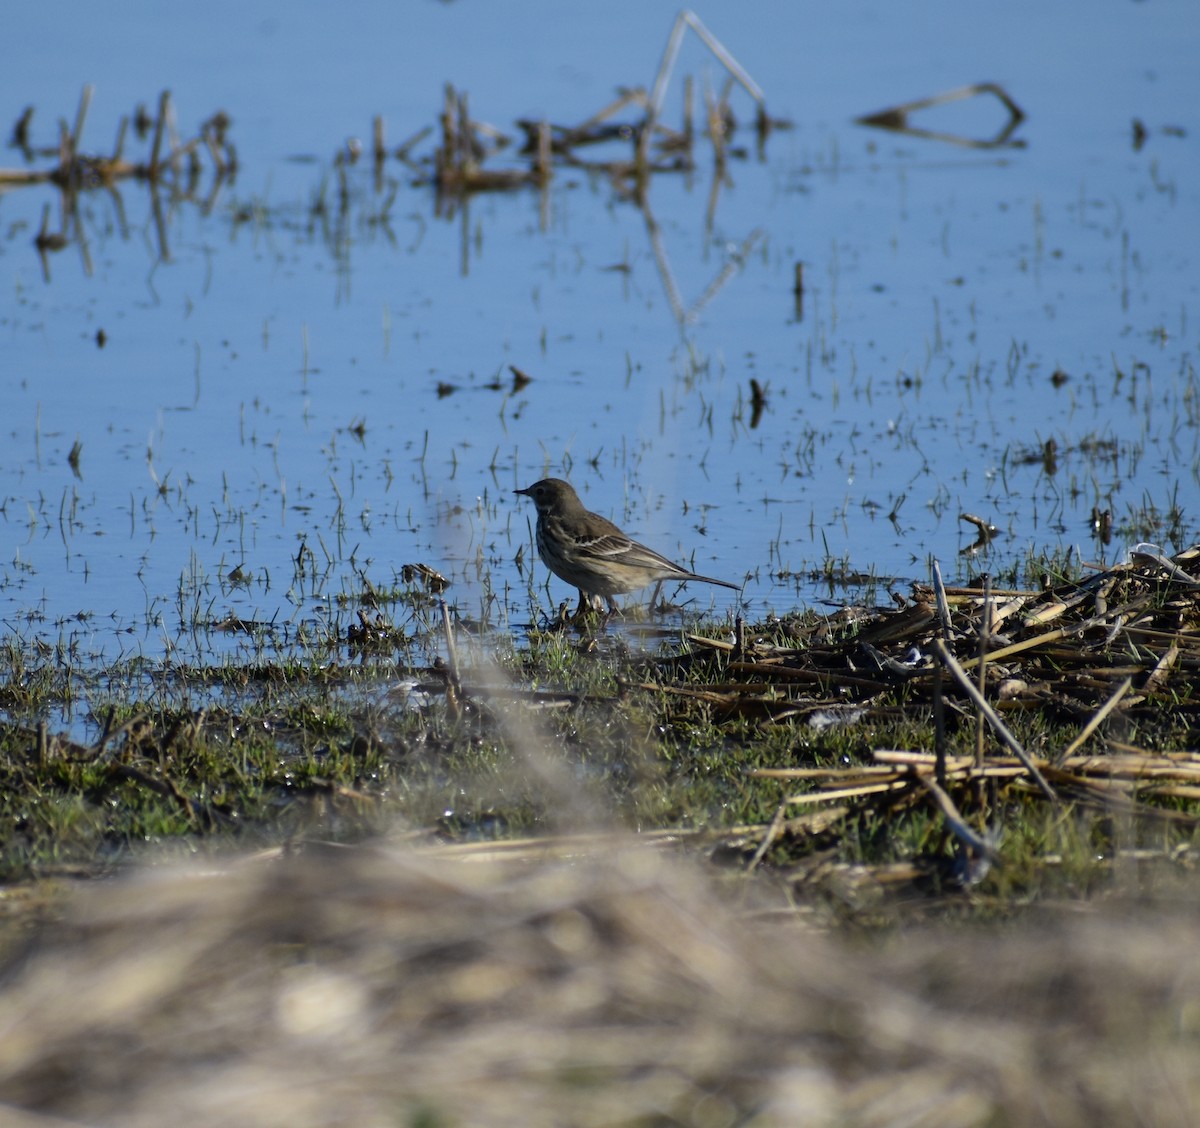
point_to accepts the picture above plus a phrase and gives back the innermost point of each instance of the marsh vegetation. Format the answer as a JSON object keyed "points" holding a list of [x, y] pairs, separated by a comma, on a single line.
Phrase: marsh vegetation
{"points": [[316, 808]]}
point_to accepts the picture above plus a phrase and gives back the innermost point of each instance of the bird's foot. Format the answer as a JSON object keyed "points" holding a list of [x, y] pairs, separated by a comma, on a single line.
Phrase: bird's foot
{"points": [[590, 612]]}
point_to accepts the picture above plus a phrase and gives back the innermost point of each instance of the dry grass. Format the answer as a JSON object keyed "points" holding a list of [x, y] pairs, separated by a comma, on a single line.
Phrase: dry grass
{"points": [[394, 987]]}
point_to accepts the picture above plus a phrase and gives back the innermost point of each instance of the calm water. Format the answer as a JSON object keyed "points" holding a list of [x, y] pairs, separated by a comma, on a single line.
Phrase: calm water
{"points": [[269, 389]]}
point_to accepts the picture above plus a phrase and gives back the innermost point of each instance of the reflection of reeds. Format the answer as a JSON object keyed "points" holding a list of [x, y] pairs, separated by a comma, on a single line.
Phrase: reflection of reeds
{"points": [[77, 171], [466, 144], [655, 147], [172, 163]]}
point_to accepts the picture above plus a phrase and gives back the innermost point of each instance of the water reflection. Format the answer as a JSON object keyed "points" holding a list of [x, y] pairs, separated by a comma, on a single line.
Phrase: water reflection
{"points": [[897, 118], [805, 352], [172, 172]]}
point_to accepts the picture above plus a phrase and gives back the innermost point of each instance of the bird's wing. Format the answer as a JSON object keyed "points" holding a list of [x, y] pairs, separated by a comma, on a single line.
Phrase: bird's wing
{"points": [[618, 547], [612, 545]]}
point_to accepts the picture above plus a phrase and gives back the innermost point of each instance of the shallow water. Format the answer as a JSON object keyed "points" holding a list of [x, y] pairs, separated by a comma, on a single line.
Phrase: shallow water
{"points": [[331, 385]]}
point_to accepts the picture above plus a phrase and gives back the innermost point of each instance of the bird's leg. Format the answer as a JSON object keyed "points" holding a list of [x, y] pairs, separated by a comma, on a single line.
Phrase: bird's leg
{"points": [[654, 597], [589, 605], [613, 609]]}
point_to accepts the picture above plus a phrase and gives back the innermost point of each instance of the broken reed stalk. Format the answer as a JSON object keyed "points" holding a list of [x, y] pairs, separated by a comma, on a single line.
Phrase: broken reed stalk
{"points": [[65, 154], [674, 40], [379, 147], [1131, 770], [957, 95], [159, 126], [174, 148], [943, 604], [985, 630], [954, 820], [453, 681], [899, 784], [1173, 571], [683, 21], [939, 725], [1017, 647], [380, 142], [714, 109], [85, 102], [466, 141], [541, 165], [896, 118], [689, 129], [1162, 668], [1097, 718], [584, 132], [449, 147], [119, 147], [999, 727], [769, 837]]}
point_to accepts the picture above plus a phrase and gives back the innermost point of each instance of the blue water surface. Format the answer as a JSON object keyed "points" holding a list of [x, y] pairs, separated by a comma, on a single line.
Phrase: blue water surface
{"points": [[314, 394]]}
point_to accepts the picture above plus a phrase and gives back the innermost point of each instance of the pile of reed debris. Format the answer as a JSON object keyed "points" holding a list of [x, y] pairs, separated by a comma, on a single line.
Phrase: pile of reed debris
{"points": [[1103, 653]]}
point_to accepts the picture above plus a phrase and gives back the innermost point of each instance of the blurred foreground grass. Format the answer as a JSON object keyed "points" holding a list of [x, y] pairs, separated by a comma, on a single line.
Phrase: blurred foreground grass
{"points": [[396, 986]]}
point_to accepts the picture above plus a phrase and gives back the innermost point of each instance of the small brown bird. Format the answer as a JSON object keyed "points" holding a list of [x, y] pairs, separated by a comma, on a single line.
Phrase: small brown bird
{"points": [[591, 553]]}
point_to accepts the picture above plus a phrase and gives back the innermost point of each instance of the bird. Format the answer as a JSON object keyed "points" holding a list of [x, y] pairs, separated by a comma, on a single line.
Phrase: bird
{"points": [[592, 554]]}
